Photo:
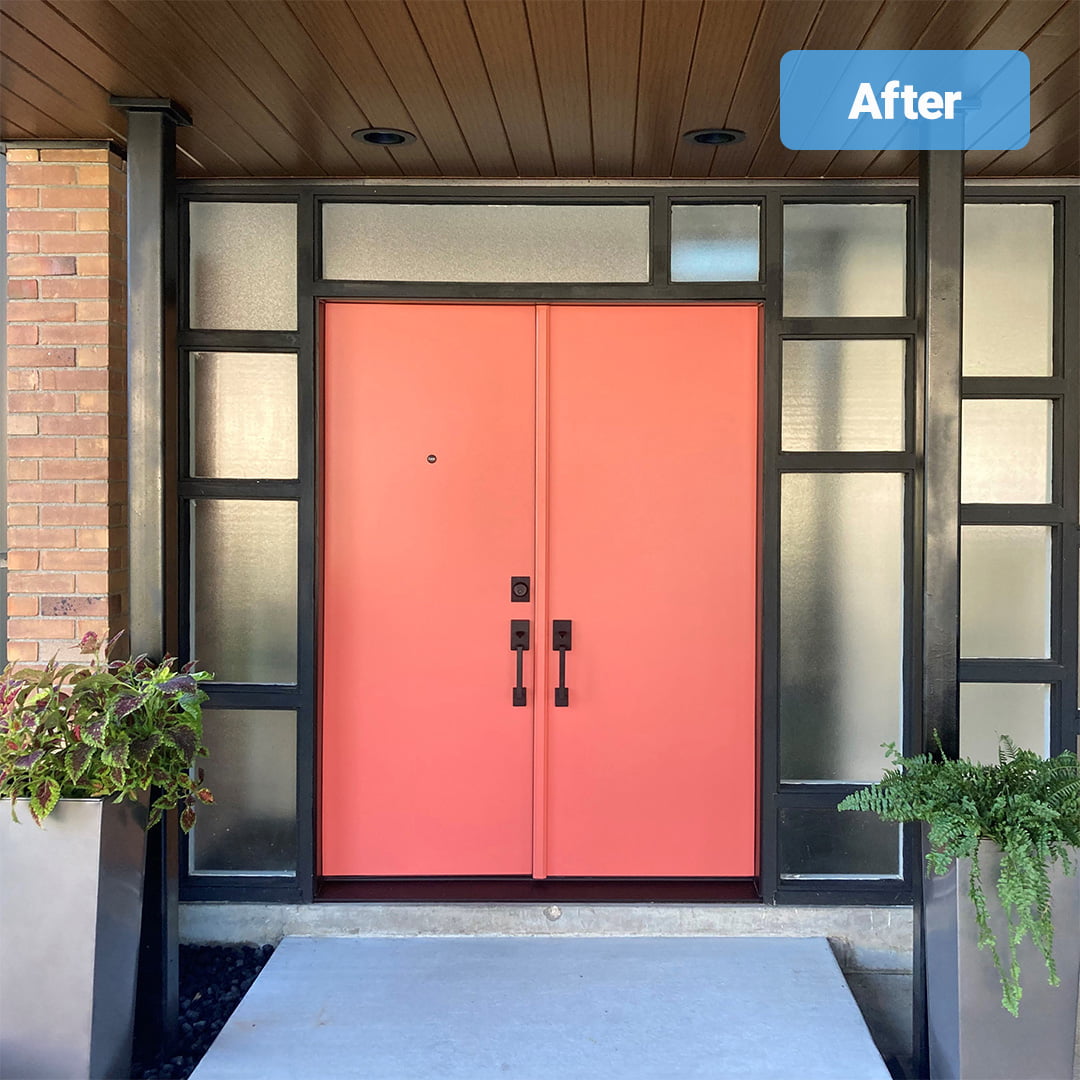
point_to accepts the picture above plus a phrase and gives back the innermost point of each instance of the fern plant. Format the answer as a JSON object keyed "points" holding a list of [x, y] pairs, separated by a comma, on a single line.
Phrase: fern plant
{"points": [[1026, 804], [102, 729]]}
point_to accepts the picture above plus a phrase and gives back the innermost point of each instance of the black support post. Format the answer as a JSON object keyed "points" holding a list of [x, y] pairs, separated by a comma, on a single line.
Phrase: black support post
{"points": [[152, 558], [939, 316], [941, 228]]}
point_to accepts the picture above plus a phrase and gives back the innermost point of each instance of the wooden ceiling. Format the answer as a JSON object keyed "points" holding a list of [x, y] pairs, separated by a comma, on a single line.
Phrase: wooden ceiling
{"points": [[501, 88]]}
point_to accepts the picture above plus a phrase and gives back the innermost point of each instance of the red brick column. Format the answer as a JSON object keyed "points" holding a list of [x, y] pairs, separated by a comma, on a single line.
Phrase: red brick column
{"points": [[67, 420]]}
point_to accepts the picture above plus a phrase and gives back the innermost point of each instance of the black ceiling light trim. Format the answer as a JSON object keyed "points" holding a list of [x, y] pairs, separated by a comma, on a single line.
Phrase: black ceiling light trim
{"points": [[715, 136], [383, 136]]}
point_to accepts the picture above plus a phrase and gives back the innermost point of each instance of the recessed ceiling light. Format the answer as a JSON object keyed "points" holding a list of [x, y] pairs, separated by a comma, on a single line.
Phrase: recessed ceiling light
{"points": [[380, 136], [714, 136]]}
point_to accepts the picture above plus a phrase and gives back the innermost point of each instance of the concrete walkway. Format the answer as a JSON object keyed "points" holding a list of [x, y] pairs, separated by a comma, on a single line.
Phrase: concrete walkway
{"points": [[481, 1008]]}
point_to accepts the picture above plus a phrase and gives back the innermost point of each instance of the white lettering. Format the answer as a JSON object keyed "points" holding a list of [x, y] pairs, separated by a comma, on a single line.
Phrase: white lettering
{"points": [[864, 102], [889, 96], [909, 94], [930, 105]]}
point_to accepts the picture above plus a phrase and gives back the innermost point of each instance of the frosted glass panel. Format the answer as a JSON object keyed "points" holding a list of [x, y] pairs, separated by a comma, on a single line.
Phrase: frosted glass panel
{"points": [[243, 266], [834, 844], [714, 243], [251, 826], [845, 260], [1006, 451], [989, 710], [409, 242], [841, 623], [244, 586], [243, 415], [1008, 288], [1005, 591], [843, 395]]}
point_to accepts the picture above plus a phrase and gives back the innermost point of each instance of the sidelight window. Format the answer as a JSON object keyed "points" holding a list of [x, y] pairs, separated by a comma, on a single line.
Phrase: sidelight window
{"points": [[845, 260], [247, 513], [844, 395], [242, 266], [1008, 289], [841, 623], [1018, 490], [251, 827]]}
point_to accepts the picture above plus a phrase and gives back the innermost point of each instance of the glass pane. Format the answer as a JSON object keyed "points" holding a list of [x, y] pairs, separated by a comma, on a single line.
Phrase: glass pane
{"points": [[1006, 451], [244, 589], [243, 266], [409, 242], [243, 421], [834, 844], [1008, 288], [714, 243], [841, 623], [843, 395], [845, 259], [1005, 591], [988, 710], [251, 826]]}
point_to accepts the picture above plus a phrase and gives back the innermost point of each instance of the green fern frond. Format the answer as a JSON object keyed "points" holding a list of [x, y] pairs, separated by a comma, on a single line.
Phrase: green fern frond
{"points": [[1027, 805]]}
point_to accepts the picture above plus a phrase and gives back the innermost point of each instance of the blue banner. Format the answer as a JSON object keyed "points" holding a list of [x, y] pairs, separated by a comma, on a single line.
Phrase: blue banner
{"points": [[851, 99]]}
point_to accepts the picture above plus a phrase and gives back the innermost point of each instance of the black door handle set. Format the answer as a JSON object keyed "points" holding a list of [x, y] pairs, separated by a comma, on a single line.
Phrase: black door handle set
{"points": [[561, 642]]}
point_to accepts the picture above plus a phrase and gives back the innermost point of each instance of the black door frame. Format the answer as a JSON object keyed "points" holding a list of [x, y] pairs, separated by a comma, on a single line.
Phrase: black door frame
{"points": [[309, 196]]}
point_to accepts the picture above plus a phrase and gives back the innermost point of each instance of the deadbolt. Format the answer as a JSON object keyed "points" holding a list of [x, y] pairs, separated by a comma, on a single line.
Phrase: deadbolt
{"points": [[519, 590]]}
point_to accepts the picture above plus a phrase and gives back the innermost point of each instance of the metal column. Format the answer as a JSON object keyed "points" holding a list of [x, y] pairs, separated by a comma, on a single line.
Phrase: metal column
{"points": [[152, 423], [939, 315]]}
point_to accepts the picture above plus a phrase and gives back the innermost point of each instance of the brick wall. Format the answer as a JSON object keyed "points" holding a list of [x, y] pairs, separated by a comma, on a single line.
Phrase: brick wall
{"points": [[67, 424]]}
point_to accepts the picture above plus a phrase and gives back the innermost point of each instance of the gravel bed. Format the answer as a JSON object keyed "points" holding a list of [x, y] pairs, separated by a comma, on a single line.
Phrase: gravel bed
{"points": [[213, 979]]}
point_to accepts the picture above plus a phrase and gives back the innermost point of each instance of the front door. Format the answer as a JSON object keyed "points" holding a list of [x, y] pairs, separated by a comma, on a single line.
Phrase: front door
{"points": [[608, 454]]}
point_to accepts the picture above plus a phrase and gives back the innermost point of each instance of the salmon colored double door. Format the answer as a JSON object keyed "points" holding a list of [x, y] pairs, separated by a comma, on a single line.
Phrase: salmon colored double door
{"points": [[608, 455]]}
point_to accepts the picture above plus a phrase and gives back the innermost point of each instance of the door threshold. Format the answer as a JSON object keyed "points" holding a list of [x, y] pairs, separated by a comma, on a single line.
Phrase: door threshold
{"points": [[548, 890]]}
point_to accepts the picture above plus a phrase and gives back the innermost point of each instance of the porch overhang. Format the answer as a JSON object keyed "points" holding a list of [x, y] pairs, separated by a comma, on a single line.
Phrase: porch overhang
{"points": [[503, 88]]}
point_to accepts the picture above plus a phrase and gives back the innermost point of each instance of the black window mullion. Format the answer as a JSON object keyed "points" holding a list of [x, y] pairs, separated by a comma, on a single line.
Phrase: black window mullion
{"points": [[1011, 514], [872, 328], [772, 270], [309, 254], [240, 340], [1066, 735], [804, 461], [1012, 386]]}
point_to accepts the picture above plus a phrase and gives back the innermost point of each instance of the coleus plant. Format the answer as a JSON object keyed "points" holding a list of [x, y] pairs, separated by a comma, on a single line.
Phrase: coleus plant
{"points": [[103, 728]]}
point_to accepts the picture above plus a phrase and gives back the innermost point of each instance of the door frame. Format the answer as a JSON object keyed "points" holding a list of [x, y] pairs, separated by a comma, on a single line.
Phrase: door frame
{"points": [[309, 195]]}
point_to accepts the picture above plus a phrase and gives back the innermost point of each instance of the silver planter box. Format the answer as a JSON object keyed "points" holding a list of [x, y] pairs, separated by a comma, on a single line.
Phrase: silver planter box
{"points": [[71, 904], [972, 1037]]}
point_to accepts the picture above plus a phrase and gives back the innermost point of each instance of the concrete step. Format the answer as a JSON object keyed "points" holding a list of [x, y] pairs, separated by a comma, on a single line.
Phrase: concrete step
{"points": [[547, 1008], [863, 938]]}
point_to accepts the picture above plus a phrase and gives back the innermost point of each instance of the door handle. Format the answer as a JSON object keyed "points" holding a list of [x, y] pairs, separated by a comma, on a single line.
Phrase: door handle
{"points": [[561, 642], [519, 643]]}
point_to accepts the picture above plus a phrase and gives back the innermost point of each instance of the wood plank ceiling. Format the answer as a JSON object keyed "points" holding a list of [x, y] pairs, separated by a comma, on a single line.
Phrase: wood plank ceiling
{"points": [[501, 88]]}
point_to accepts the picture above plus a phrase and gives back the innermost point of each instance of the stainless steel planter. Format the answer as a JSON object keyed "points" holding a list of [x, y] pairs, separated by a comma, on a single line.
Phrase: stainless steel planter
{"points": [[70, 912], [971, 1036]]}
